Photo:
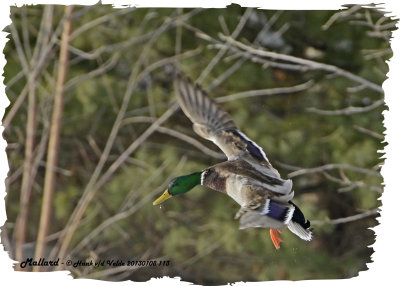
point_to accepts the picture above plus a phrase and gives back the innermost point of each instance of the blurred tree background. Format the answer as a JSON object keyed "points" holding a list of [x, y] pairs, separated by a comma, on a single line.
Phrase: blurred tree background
{"points": [[304, 85]]}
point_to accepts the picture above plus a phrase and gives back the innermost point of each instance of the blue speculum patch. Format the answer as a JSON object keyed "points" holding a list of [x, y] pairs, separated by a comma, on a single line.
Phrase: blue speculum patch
{"points": [[277, 211], [251, 147]]}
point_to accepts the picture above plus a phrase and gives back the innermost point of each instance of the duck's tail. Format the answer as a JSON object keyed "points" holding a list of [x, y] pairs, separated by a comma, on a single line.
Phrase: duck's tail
{"points": [[299, 225], [273, 214], [278, 215], [279, 211]]}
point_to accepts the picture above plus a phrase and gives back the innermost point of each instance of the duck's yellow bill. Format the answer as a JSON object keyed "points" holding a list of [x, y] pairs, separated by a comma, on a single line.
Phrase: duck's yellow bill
{"points": [[163, 197]]}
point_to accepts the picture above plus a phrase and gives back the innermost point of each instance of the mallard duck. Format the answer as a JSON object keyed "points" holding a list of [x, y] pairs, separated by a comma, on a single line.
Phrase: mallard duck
{"points": [[247, 176]]}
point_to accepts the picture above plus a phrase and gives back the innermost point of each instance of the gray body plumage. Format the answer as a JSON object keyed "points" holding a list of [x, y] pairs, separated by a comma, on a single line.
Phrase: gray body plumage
{"points": [[247, 176]]}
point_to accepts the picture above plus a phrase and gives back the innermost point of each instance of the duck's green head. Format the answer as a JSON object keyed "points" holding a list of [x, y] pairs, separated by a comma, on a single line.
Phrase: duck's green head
{"points": [[179, 186]]}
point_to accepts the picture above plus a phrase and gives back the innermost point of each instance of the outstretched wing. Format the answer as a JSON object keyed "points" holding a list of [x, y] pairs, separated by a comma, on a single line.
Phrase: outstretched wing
{"points": [[212, 123]]}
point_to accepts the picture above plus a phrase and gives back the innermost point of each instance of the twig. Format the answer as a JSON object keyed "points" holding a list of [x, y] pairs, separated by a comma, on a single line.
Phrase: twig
{"points": [[13, 177], [14, 79], [116, 47], [377, 29], [43, 56], [226, 74], [332, 167], [133, 194], [99, 71], [339, 15], [224, 26], [362, 215], [20, 51], [353, 185], [163, 62], [134, 146], [128, 212], [213, 246], [222, 52], [266, 92], [100, 20], [54, 138], [373, 54], [26, 188], [92, 186], [27, 179], [239, 63], [45, 33], [349, 110], [90, 192], [191, 141], [287, 166], [57, 169], [178, 36], [14, 109], [369, 132], [25, 33], [300, 61], [176, 134], [349, 185], [354, 89]]}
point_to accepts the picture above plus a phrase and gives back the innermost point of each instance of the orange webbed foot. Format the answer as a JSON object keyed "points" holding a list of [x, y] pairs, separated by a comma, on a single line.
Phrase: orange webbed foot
{"points": [[276, 239]]}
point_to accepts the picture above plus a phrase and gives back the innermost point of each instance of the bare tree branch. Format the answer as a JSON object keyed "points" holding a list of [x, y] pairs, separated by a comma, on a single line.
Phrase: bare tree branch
{"points": [[176, 134], [369, 132], [109, 64], [216, 82], [128, 212], [344, 181], [14, 109], [92, 186], [27, 180], [134, 194], [356, 217], [42, 51], [373, 54], [332, 167], [339, 15], [300, 61], [20, 51], [54, 139], [350, 185], [14, 80], [266, 92], [191, 141], [222, 52], [89, 194], [213, 246], [100, 20], [28, 174], [348, 110]]}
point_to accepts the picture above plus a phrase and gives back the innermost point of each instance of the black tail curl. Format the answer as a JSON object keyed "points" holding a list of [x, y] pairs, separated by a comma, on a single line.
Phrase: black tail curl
{"points": [[298, 217]]}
